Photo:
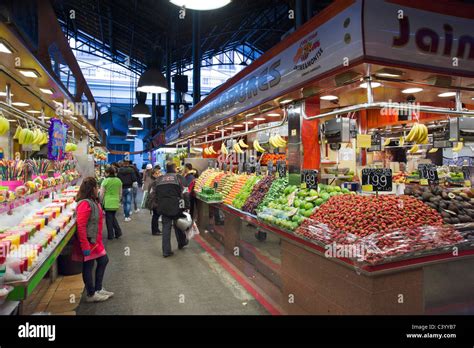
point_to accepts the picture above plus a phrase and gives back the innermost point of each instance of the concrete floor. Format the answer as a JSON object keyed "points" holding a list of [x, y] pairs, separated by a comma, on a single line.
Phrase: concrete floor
{"points": [[190, 282]]}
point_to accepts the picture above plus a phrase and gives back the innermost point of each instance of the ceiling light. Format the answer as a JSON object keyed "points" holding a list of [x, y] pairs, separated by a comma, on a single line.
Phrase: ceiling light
{"points": [[286, 101], [373, 84], [141, 110], [216, 132], [229, 128], [152, 81], [329, 97], [20, 104], [248, 122], [4, 94], [447, 94], [129, 139], [201, 5], [5, 48], [251, 114], [412, 90], [29, 73], [259, 119], [273, 114], [47, 90], [238, 125], [387, 72], [33, 111], [135, 124], [11, 120]]}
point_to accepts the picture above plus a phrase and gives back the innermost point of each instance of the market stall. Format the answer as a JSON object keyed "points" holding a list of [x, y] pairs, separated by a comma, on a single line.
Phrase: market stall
{"points": [[339, 163]]}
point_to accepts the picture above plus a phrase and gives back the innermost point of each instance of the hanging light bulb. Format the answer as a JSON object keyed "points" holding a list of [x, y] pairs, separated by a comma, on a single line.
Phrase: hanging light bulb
{"points": [[152, 81], [141, 110], [200, 4], [135, 124]]}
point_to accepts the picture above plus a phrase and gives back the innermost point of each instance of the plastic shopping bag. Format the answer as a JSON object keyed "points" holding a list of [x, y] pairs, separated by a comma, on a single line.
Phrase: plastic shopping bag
{"points": [[193, 231], [144, 200]]}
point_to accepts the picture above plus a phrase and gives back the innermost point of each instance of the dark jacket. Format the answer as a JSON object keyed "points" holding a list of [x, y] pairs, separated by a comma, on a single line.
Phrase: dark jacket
{"points": [[127, 176], [167, 195], [188, 179], [138, 176]]}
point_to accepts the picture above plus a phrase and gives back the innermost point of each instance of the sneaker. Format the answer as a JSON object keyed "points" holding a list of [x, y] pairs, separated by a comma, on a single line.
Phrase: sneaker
{"points": [[168, 255], [137, 211], [105, 293], [97, 297], [127, 219]]}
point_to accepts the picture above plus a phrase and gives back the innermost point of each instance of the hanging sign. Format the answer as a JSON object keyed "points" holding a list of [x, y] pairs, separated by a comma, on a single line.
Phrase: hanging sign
{"points": [[429, 172], [281, 169], [378, 179], [57, 140], [309, 177]]}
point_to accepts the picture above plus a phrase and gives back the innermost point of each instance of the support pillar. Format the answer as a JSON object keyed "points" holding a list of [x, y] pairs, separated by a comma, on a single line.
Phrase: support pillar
{"points": [[196, 58]]}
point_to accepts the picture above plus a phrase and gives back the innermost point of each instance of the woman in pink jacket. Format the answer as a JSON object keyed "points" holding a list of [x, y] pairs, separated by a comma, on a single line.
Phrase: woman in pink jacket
{"points": [[88, 244]]}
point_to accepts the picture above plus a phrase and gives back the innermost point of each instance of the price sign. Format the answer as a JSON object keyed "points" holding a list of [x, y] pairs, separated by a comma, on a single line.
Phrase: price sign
{"points": [[376, 143], [231, 167], [216, 185], [240, 167], [209, 164], [281, 168], [270, 167], [224, 167], [429, 172], [258, 168], [380, 179], [310, 178], [248, 168]]}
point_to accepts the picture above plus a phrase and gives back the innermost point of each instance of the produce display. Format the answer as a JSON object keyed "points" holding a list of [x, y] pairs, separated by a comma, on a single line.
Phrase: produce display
{"points": [[275, 192], [257, 195], [206, 177], [30, 241], [266, 157], [384, 226], [247, 189], [208, 194], [454, 206], [235, 189]]}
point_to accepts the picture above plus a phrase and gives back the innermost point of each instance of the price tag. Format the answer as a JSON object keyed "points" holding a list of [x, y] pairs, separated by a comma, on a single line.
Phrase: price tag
{"points": [[281, 168], [258, 169], [231, 166], [310, 178], [424, 182], [429, 171], [270, 167], [303, 185], [380, 179], [240, 167], [224, 166], [216, 184], [209, 164], [248, 168]]}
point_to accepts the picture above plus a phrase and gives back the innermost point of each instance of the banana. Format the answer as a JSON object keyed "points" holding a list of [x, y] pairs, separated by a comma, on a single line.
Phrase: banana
{"points": [[413, 149], [387, 141], [272, 141], [242, 144], [257, 147], [424, 134], [224, 149], [458, 147], [401, 141], [17, 132], [411, 134], [205, 151], [211, 150], [433, 150], [237, 148], [281, 140]]}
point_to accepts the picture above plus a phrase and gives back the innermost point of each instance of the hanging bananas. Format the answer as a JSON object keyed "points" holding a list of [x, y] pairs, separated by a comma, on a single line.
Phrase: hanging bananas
{"points": [[414, 149], [458, 146], [277, 141], [224, 149], [418, 133], [257, 147], [237, 148], [242, 144]]}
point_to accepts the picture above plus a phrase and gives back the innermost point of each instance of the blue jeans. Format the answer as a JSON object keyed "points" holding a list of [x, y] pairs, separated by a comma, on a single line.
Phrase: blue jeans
{"points": [[127, 201]]}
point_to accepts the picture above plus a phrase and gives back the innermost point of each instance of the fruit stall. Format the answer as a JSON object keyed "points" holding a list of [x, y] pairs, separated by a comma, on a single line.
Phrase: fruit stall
{"points": [[341, 172]]}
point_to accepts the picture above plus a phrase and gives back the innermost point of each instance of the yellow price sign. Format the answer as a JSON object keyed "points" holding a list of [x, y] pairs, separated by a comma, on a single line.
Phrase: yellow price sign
{"points": [[303, 185], [367, 188], [467, 183], [424, 182]]}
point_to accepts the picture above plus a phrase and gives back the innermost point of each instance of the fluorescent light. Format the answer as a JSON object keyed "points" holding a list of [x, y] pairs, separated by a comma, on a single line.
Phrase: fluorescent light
{"points": [[447, 94], [4, 48], [20, 104], [329, 97], [259, 119], [251, 114], [273, 114], [4, 94], [387, 75], [29, 73], [129, 139], [47, 90], [11, 120], [248, 122], [373, 84], [229, 128], [412, 90], [241, 125], [201, 5], [33, 111], [286, 101]]}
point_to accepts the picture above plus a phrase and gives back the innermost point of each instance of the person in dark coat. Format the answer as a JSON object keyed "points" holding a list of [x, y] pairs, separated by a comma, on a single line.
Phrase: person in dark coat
{"points": [[170, 202], [127, 175]]}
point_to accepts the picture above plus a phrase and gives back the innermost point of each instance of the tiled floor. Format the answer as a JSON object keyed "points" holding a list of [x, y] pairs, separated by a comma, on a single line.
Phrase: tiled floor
{"points": [[63, 296]]}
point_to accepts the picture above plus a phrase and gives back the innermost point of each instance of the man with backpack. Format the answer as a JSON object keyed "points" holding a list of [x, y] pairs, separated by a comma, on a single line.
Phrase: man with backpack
{"points": [[127, 175], [169, 200]]}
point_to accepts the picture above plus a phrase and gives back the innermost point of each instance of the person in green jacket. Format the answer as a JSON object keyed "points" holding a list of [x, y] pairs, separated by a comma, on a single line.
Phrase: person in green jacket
{"points": [[111, 195]]}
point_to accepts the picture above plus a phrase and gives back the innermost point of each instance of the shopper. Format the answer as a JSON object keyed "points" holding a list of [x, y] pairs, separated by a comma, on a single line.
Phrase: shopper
{"points": [[155, 228], [147, 177], [190, 176], [169, 201], [127, 175], [111, 195], [88, 245], [135, 186]]}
